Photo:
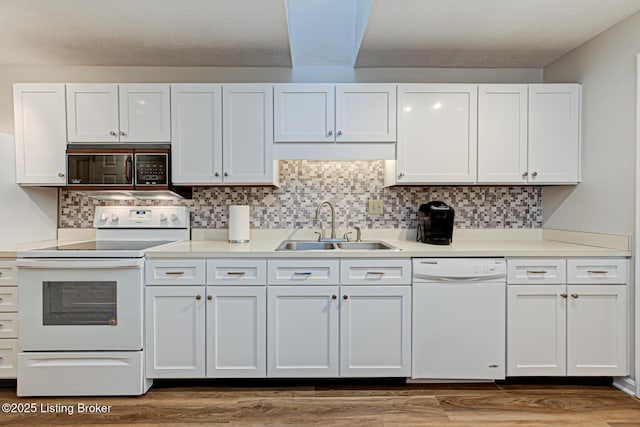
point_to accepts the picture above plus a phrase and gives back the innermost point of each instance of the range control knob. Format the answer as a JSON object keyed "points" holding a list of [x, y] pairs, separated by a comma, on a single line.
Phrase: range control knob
{"points": [[163, 218], [174, 217], [104, 217], [114, 217]]}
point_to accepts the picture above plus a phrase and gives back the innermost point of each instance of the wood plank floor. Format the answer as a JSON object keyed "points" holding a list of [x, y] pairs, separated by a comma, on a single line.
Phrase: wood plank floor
{"points": [[326, 403]]}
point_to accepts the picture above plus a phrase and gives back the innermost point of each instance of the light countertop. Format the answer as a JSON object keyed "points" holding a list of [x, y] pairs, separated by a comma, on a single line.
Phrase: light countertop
{"points": [[466, 243]]}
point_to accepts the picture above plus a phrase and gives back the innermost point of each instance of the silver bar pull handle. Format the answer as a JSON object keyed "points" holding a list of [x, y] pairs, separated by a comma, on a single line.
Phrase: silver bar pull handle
{"points": [[597, 271], [375, 273], [235, 273], [302, 273], [174, 273], [536, 271]]}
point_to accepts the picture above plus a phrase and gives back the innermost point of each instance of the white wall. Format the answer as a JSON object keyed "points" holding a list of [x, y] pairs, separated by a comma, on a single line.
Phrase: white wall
{"points": [[26, 214], [604, 201]]}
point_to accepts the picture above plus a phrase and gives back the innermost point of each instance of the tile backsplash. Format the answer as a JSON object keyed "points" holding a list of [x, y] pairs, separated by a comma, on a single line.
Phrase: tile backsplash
{"points": [[348, 186]]}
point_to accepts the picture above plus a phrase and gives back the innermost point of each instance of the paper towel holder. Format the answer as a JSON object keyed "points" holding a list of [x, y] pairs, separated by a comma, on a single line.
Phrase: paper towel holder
{"points": [[238, 223]]}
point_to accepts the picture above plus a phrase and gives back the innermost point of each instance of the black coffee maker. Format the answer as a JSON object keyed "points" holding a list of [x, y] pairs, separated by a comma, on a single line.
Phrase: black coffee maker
{"points": [[435, 223]]}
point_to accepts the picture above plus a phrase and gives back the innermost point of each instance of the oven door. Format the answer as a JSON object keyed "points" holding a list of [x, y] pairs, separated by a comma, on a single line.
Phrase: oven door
{"points": [[80, 304]]}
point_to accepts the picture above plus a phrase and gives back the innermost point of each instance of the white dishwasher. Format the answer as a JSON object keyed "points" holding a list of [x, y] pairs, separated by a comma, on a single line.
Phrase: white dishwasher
{"points": [[458, 321]]}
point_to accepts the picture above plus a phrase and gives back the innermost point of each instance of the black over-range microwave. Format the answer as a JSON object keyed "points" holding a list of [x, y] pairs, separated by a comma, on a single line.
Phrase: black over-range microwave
{"points": [[128, 169]]}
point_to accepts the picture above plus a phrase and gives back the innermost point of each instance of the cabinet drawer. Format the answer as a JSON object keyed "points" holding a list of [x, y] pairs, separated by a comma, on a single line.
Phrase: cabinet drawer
{"points": [[175, 272], [587, 271], [8, 276], [8, 299], [8, 358], [8, 325], [378, 271], [303, 272], [237, 272], [532, 271]]}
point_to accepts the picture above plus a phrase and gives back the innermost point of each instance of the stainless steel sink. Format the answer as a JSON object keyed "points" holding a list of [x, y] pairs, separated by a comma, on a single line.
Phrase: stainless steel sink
{"points": [[368, 246], [312, 245], [305, 245]]}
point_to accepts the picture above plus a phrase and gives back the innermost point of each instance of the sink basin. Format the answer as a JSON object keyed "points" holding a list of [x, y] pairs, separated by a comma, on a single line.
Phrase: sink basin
{"points": [[368, 246], [304, 245], [312, 245]]}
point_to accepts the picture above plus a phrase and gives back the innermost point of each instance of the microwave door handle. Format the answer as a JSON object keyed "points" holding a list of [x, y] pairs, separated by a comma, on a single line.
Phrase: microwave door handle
{"points": [[127, 169]]}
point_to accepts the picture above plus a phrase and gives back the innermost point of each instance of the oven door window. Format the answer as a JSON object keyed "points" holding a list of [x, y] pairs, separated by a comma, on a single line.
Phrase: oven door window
{"points": [[79, 303]]}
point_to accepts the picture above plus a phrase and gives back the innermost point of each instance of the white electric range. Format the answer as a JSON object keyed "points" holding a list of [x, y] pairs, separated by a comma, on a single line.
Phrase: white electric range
{"points": [[81, 305]]}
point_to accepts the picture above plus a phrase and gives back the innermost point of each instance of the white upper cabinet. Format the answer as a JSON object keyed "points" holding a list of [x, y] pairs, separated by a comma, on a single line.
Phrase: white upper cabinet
{"points": [[247, 127], [222, 134], [365, 113], [554, 133], [437, 133], [196, 127], [502, 134], [303, 113], [40, 132], [118, 113], [335, 113]]}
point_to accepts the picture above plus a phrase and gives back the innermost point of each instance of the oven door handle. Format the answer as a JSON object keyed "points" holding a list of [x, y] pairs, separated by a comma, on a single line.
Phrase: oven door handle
{"points": [[71, 264]]}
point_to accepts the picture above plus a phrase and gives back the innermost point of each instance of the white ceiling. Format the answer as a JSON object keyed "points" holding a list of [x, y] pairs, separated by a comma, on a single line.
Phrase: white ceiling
{"points": [[399, 33]]}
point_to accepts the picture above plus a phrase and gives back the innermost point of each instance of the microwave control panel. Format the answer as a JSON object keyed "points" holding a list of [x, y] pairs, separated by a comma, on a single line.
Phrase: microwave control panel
{"points": [[151, 169]]}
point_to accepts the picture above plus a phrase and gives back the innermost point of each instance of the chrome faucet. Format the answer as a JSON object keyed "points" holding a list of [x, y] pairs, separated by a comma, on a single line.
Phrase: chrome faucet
{"points": [[333, 217]]}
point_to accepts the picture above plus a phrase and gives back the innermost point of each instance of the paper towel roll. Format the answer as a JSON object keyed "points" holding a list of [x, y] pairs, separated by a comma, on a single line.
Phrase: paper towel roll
{"points": [[238, 223]]}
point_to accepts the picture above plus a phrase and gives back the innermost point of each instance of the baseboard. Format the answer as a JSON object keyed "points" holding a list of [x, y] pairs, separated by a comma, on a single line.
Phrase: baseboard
{"points": [[626, 384]]}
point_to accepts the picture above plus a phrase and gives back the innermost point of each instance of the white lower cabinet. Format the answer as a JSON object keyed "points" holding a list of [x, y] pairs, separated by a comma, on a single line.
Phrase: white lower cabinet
{"points": [[198, 331], [375, 331], [569, 329], [175, 331], [302, 326], [536, 325], [236, 332], [8, 320]]}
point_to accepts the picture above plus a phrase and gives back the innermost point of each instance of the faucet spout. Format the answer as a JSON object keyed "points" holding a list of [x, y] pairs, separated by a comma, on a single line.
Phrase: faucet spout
{"points": [[333, 216]]}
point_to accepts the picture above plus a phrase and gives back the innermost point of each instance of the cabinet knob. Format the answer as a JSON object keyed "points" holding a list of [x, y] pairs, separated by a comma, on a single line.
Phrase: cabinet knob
{"points": [[339, 133], [564, 296], [334, 297], [525, 173], [345, 297], [198, 297], [60, 174], [575, 296], [216, 174], [534, 174], [329, 133], [112, 133], [400, 175], [122, 133], [226, 174], [209, 297]]}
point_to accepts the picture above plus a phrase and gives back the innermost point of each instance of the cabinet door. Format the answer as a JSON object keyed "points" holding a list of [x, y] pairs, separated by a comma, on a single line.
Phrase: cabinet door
{"points": [[145, 114], [437, 133], [248, 134], [303, 113], [236, 331], [92, 113], [597, 330], [366, 113], [554, 133], [175, 331], [375, 331], [196, 128], [502, 133], [41, 135], [536, 330], [302, 326]]}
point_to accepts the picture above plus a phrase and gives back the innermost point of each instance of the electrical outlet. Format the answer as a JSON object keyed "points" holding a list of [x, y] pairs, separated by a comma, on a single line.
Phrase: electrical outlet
{"points": [[375, 207]]}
